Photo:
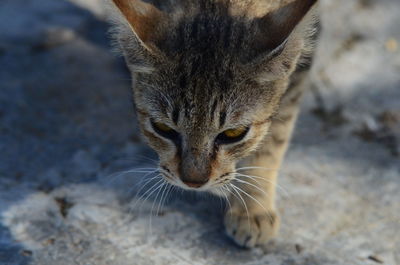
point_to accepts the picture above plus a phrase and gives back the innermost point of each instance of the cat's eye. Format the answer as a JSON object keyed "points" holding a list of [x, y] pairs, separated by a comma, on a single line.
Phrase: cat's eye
{"points": [[162, 127], [232, 135], [164, 130]]}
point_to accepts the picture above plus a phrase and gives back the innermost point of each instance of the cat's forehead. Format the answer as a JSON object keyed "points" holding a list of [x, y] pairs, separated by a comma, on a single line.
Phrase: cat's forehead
{"points": [[202, 85], [203, 75], [199, 86], [211, 34], [207, 99]]}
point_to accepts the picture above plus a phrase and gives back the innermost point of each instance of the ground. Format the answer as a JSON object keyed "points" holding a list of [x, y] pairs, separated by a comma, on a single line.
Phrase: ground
{"points": [[67, 128]]}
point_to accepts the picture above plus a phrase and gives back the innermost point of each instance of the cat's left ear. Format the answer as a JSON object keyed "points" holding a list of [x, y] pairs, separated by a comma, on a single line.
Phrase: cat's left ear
{"points": [[282, 36], [145, 20]]}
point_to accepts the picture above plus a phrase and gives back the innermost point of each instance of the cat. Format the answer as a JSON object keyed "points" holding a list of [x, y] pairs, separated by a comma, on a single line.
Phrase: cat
{"points": [[217, 86]]}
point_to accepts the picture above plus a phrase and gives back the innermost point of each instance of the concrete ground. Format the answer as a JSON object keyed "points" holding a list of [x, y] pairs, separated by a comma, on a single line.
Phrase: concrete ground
{"points": [[67, 128]]}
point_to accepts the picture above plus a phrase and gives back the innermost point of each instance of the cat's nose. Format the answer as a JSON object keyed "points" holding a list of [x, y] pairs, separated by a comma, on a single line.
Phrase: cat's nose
{"points": [[194, 184], [194, 171]]}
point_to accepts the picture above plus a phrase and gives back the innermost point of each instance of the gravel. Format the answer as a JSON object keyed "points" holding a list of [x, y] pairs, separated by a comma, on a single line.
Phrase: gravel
{"points": [[68, 135]]}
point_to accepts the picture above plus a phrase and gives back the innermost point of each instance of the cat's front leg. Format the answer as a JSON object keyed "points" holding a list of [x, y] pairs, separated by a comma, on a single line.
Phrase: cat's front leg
{"points": [[253, 219]]}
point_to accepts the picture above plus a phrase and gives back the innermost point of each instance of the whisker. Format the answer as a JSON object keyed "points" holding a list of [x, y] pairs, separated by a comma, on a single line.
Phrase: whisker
{"points": [[160, 188], [162, 198], [116, 175], [264, 168], [146, 181], [254, 199], [220, 202], [251, 184], [264, 179], [226, 197], [150, 159], [146, 158], [169, 192], [145, 169], [148, 193], [160, 184], [244, 203], [151, 190]]}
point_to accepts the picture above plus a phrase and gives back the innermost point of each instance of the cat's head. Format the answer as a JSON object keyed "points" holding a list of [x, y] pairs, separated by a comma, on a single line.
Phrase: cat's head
{"points": [[208, 81]]}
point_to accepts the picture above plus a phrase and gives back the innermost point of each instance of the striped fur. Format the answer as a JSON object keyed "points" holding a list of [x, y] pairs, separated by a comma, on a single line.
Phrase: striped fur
{"points": [[205, 66]]}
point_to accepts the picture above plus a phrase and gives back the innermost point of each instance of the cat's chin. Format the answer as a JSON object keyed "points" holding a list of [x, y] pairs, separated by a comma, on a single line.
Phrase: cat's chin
{"points": [[213, 190]]}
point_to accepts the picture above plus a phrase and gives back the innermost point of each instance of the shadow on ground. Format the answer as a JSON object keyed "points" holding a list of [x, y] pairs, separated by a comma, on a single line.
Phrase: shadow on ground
{"points": [[68, 133]]}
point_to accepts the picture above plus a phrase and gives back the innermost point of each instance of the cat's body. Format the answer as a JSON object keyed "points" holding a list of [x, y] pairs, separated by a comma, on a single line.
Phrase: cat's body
{"points": [[217, 88]]}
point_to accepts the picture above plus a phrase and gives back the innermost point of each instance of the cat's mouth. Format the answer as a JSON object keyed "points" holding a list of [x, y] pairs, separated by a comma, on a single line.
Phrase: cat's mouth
{"points": [[208, 185]]}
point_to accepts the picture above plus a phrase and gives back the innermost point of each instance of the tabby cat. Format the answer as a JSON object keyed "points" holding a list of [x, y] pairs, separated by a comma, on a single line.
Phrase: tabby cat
{"points": [[217, 85]]}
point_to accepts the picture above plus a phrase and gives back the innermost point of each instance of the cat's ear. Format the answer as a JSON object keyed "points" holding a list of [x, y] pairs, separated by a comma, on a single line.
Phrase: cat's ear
{"points": [[281, 34], [279, 24], [144, 19]]}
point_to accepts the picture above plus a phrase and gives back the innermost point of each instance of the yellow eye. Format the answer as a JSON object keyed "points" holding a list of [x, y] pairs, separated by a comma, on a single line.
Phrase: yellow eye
{"points": [[162, 127], [235, 133], [232, 135], [165, 131]]}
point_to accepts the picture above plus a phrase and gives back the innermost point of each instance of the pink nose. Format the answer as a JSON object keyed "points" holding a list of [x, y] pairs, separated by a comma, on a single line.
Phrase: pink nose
{"points": [[194, 184]]}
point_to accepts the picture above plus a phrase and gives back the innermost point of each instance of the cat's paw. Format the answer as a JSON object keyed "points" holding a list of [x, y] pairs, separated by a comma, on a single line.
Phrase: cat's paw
{"points": [[250, 231]]}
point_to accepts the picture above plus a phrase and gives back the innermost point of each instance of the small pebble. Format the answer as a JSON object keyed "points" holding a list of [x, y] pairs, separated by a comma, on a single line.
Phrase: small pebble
{"points": [[391, 45], [299, 248], [375, 259], [26, 253]]}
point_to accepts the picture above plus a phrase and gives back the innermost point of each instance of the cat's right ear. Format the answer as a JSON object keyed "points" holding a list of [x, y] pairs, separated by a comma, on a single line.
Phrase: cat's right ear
{"points": [[281, 35], [145, 20]]}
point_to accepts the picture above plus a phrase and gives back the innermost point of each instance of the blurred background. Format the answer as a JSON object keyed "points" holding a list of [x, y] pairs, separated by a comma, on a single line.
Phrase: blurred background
{"points": [[68, 136]]}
